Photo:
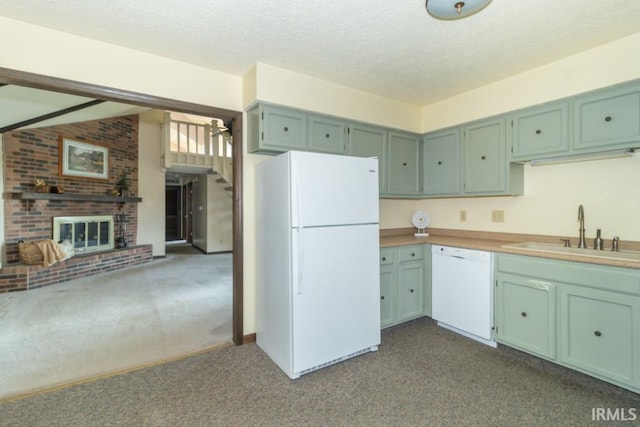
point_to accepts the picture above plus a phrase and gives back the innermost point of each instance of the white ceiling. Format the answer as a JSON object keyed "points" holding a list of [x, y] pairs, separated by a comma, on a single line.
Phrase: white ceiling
{"points": [[19, 104], [392, 48]]}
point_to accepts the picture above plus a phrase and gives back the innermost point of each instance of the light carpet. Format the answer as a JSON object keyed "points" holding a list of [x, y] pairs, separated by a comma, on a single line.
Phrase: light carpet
{"points": [[114, 321]]}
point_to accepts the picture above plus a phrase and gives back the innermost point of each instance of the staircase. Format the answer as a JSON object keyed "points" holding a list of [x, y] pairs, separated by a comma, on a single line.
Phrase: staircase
{"points": [[198, 148]]}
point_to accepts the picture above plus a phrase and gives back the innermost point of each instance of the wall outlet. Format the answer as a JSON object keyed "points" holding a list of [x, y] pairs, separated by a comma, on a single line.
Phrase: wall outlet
{"points": [[497, 216], [463, 216]]}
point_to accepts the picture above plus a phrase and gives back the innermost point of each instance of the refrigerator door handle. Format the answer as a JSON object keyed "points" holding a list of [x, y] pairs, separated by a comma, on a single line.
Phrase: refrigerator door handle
{"points": [[300, 228], [300, 261]]}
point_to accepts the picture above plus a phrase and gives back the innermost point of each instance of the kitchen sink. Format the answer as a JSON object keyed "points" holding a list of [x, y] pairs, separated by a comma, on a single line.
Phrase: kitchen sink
{"points": [[560, 249]]}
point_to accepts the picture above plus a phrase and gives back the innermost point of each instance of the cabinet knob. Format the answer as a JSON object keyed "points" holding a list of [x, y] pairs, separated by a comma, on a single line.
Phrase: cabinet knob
{"points": [[411, 290], [538, 132], [327, 136], [384, 258], [381, 296], [413, 254], [439, 163], [523, 314], [597, 333], [607, 119], [404, 164], [286, 129], [483, 157]]}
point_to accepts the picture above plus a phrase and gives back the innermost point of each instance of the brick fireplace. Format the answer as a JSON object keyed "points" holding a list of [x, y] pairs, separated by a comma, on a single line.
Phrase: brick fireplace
{"points": [[32, 154]]}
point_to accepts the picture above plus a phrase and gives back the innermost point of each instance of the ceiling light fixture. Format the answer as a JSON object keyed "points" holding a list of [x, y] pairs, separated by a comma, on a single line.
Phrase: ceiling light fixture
{"points": [[454, 9]]}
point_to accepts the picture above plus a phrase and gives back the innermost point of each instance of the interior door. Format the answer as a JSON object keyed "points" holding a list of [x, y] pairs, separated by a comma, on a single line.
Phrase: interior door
{"points": [[173, 215]]}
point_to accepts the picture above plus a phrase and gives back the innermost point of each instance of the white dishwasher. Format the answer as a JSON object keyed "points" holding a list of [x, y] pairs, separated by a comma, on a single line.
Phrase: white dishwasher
{"points": [[462, 292]]}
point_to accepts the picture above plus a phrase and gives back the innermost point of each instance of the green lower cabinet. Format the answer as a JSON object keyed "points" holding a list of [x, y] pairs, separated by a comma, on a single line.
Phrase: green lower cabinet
{"points": [[410, 286], [403, 284], [599, 333], [582, 316], [526, 314], [387, 308]]}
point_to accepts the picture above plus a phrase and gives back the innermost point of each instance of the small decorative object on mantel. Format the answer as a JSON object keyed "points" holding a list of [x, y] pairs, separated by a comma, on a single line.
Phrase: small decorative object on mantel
{"points": [[41, 186], [421, 220], [123, 185], [56, 190]]}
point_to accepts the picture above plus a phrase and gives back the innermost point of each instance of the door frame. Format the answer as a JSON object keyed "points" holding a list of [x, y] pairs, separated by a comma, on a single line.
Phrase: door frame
{"points": [[55, 84]]}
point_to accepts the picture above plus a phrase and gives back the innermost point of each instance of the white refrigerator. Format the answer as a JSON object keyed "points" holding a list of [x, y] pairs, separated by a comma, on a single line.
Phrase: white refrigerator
{"points": [[317, 259]]}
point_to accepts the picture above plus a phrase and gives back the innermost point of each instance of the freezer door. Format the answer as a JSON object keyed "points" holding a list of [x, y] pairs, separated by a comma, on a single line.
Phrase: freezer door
{"points": [[336, 301], [329, 189]]}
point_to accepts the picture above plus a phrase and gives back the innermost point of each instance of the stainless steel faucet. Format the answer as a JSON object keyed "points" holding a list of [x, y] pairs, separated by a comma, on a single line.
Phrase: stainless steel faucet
{"points": [[581, 242]]}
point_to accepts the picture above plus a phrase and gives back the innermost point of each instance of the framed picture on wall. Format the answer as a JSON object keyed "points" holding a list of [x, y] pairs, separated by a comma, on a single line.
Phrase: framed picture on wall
{"points": [[82, 159]]}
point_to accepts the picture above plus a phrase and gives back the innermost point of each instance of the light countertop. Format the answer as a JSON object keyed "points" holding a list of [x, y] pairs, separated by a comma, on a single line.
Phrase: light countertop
{"points": [[493, 242]]}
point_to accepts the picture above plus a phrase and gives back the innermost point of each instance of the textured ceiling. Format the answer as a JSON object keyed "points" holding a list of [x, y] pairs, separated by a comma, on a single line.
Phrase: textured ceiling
{"points": [[392, 48]]}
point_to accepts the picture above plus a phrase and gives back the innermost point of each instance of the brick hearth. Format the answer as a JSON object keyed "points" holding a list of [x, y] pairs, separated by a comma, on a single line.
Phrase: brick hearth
{"points": [[21, 277]]}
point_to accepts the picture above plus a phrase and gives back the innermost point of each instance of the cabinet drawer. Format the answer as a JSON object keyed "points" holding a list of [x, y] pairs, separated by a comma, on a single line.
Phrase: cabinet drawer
{"points": [[606, 120], [410, 253], [387, 256]]}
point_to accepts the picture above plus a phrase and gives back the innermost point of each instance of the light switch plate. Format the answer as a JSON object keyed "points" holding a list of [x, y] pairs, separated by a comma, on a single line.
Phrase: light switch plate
{"points": [[463, 216], [497, 216]]}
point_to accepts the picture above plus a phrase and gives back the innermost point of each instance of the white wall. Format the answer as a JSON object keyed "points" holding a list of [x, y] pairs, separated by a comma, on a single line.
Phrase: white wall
{"points": [[151, 212], [279, 86], [38, 50], [54, 53], [219, 217], [199, 224], [607, 188]]}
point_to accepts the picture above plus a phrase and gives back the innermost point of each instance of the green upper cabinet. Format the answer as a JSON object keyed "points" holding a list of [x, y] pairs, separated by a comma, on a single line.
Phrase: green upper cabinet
{"points": [[370, 141], [608, 118], [277, 129], [327, 135], [486, 170], [402, 164], [441, 163], [539, 132]]}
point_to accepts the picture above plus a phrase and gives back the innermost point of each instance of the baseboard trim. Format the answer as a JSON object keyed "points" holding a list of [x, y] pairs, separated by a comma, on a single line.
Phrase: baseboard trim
{"points": [[248, 339]]}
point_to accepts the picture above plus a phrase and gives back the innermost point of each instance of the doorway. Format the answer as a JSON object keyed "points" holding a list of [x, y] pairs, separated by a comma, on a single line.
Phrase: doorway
{"points": [[173, 213], [20, 78]]}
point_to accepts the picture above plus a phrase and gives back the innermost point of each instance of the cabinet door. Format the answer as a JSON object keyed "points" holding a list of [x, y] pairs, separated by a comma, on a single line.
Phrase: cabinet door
{"points": [[410, 287], [540, 132], [327, 135], [388, 298], [370, 141], [403, 164], [441, 163], [526, 314], [607, 119], [599, 333], [485, 157], [283, 129]]}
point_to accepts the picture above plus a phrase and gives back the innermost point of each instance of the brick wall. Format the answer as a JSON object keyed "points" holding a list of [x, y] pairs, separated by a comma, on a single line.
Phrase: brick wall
{"points": [[32, 154]]}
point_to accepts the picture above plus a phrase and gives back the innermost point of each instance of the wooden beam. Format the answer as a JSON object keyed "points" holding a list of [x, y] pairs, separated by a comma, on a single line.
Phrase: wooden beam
{"points": [[51, 115]]}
